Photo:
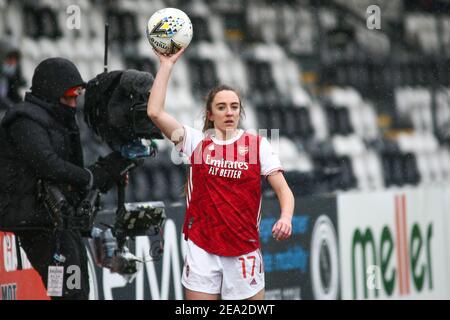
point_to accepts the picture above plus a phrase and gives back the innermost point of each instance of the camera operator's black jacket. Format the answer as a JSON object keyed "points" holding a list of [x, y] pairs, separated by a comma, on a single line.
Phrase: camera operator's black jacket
{"points": [[38, 140]]}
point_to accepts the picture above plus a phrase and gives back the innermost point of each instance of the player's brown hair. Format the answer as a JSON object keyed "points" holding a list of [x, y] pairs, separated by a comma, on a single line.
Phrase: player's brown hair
{"points": [[208, 106]]}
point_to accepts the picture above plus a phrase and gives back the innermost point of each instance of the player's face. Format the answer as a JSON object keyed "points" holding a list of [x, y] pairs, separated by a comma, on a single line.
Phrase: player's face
{"points": [[225, 111]]}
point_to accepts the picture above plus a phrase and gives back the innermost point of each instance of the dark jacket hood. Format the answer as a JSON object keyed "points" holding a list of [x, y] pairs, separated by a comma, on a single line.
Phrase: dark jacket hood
{"points": [[52, 77]]}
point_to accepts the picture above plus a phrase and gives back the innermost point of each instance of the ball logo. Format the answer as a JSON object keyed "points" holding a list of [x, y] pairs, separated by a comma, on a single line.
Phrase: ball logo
{"points": [[167, 27], [174, 47], [324, 264]]}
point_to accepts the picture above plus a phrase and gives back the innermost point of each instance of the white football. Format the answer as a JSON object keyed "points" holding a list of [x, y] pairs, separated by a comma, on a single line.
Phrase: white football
{"points": [[169, 30]]}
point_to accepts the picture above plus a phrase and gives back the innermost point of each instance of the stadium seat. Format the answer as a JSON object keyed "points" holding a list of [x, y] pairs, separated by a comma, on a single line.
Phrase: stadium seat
{"points": [[141, 64], [262, 83], [359, 167], [346, 179], [224, 73], [14, 21], [179, 99], [144, 49], [176, 177], [298, 32], [444, 158], [369, 122], [3, 27], [216, 51], [67, 34], [216, 28], [129, 28], [159, 183], [374, 170], [290, 125], [198, 8], [442, 113], [28, 66], [436, 168], [84, 68], [96, 25], [301, 183], [338, 120], [424, 169], [348, 145], [30, 49], [263, 118], [335, 172], [288, 153], [95, 67], [48, 23], [319, 122], [300, 97], [418, 142], [412, 175], [249, 121], [391, 169], [445, 34], [203, 76], [304, 163], [347, 97], [286, 75], [263, 19], [65, 48], [202, 31], [47, 48], [300, 122], [147, 8], [192, 118], [115, 61], [31, 25]]}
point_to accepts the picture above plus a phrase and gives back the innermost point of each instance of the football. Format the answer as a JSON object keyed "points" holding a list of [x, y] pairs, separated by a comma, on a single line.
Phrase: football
{"points": [[169, 30]]}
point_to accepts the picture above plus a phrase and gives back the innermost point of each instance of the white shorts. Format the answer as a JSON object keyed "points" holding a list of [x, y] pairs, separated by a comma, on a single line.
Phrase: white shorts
{"points": [[234, 278]]}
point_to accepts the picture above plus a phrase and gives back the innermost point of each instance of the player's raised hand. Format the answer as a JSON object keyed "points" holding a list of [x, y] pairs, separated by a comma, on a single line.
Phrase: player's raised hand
{"points": [[169, 58]]}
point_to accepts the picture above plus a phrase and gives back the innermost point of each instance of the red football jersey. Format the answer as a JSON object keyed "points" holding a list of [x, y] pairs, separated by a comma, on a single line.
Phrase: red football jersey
{"points": [[224, 190]]}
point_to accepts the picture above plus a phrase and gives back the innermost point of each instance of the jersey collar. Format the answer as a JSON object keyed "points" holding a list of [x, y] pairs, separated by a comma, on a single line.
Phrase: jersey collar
{"points": [[229, 141]]}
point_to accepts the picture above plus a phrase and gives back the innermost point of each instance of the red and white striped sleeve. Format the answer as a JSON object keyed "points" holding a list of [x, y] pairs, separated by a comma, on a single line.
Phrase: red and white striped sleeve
{"points": [[192, 137], [269, 159]]}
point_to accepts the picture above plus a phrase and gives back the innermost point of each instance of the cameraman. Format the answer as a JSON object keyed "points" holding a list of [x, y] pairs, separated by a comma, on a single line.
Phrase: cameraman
{"points": [[40, 141]]}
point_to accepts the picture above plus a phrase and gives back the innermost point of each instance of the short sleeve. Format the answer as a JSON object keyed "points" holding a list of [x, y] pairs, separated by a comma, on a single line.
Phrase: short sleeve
{"points": [[191, 138], [270, 162]]}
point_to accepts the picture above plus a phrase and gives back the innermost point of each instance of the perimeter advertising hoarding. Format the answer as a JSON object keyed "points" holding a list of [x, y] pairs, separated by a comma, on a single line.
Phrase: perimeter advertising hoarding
{"points": [[393, 244], [303, 267], [386, 245], [307, 265], [18, 281]]}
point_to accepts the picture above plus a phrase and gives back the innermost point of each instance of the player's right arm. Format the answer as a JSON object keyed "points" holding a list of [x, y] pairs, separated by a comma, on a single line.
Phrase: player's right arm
{"points": [[169, 126]]}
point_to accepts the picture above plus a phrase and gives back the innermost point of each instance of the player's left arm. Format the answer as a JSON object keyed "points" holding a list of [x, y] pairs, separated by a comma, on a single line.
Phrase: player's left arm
{"points": [[282, 229]]}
